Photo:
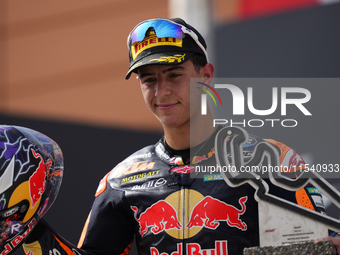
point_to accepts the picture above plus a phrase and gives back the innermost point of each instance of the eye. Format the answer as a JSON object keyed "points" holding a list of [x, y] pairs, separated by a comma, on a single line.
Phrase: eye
{"points": [[174, 75], [148, 81]]}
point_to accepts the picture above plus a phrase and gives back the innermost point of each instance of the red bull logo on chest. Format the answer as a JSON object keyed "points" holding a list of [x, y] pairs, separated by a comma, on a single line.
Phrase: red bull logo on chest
{"points": [[184, 213], [195, 249]]}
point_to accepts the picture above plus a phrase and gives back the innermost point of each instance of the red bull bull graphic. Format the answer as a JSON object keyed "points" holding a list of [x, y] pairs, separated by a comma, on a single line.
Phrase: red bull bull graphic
{"points": [[160, 216], [210, 211], [171, 214], [195, 249], [37, 182]]}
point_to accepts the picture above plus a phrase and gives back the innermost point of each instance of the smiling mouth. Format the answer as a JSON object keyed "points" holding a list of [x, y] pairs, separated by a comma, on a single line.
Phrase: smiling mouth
{"points": [[166, 106]]}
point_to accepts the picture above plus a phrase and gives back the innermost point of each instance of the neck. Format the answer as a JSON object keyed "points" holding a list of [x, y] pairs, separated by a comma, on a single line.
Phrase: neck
{"points": [[179, 138]]}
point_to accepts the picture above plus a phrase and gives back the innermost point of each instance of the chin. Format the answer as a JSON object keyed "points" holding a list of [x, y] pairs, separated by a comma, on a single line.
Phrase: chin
{"points": [[173, 123]]}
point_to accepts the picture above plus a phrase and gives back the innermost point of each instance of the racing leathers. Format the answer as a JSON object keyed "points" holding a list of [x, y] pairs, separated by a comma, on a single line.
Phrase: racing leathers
{"points": [[171, 203]]}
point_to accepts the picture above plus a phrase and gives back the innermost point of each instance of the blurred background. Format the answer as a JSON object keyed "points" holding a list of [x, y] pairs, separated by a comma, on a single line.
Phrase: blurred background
{"points": [[63, 66]]}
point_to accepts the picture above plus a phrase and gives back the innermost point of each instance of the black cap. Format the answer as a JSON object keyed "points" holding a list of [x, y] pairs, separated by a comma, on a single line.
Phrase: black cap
{"points": [[164, 51]]}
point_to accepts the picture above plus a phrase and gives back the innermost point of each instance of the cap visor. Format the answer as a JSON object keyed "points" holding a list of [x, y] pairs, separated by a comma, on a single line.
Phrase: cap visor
{"points": [[163, 58]]}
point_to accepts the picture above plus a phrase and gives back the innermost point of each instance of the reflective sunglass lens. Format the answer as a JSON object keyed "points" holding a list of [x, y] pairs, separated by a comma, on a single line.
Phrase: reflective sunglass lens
{"points": [[162, 29]]}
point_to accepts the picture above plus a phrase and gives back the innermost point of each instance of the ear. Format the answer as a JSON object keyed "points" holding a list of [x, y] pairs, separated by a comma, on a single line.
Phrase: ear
{"points": [[139, 81], [207, 73]]}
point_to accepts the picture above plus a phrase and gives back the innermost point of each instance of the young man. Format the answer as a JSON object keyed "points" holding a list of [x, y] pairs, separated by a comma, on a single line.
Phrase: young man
{"points": [[154, 197]]}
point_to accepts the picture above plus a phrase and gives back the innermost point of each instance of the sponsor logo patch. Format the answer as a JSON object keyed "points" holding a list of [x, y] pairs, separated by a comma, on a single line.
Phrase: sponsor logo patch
{"points": [[150, 184], [195, 249], [139, 176], [198, 159], [133, 167], [314, 191], [170, 59], [203, 212], [152, 41], [318, 201], [212, 177], [183, 169]]}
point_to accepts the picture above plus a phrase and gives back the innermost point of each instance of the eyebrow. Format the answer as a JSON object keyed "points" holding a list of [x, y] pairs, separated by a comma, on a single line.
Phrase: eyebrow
{"points": [[163, 72]]}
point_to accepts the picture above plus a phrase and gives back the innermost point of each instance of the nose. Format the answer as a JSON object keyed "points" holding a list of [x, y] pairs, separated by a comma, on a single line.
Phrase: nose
{"points": [[162, 88]]}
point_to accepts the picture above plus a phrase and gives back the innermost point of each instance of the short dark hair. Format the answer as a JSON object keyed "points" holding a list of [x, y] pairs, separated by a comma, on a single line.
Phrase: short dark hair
{"points": [[198, 61]]}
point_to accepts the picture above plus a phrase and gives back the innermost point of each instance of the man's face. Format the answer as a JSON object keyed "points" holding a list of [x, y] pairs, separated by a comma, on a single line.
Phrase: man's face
{"points": [[166, 91]]}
